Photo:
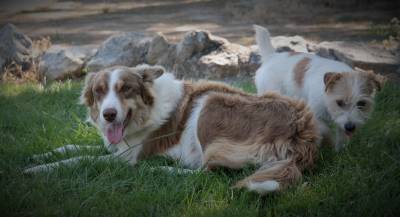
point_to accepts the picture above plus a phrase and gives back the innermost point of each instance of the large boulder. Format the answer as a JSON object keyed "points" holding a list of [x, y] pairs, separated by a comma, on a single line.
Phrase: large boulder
{"points": [[191, 49], [83, 52], [14, 46], [361, 55], [202, 55], [161, 52], [60, 62], [291, 43], [230, 61], [128, 49], [197, 43]]}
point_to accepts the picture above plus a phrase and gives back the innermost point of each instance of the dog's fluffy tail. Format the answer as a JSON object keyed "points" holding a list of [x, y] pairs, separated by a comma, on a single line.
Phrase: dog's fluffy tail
{"points": [[263, 39]]}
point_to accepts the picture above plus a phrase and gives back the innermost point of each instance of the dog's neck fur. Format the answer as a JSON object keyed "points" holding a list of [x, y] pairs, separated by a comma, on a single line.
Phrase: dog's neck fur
{"points": [[168, 92]]}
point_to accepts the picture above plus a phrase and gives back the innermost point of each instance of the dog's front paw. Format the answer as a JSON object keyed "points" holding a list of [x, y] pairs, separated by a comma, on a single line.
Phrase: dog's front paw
{"points": [[175, 170], [37, 169], [340, 146], [263, 187]]}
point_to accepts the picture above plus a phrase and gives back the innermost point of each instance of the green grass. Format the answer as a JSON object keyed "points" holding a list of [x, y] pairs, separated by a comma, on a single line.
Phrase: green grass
{"points": [[362, 180]]}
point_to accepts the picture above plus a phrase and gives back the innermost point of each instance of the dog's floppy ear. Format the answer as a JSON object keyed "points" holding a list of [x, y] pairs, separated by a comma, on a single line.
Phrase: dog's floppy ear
{"points": [[150, 73], [377, 80], [330, 78], [87, 97]]}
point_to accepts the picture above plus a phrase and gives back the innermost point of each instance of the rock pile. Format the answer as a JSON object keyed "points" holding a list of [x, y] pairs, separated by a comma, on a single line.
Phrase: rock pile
{"points": [[198, 55]]}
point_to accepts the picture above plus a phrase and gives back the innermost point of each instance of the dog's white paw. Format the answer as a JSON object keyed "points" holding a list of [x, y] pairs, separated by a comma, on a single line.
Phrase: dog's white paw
{"points": [[263, 187], [37, 169], [175, 170], [339, 146]]}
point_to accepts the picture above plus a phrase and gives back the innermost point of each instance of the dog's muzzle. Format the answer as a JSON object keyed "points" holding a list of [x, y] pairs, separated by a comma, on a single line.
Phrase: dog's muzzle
{"points": [[349, 128], [115, 130]]}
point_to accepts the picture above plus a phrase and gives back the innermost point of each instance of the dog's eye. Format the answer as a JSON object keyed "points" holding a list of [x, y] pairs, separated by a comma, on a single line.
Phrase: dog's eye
{"points": [[361, 104], [99, 91], [126, 88], [340, 103]]}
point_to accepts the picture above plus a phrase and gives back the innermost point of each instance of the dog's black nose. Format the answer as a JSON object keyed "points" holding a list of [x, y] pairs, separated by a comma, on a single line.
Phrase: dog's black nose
{"points": [[349, 127], [110, 114]]}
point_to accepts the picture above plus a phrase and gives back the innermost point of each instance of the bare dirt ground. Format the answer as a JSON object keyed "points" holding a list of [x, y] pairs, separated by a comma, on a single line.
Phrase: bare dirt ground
{"points": [[90, 22]]}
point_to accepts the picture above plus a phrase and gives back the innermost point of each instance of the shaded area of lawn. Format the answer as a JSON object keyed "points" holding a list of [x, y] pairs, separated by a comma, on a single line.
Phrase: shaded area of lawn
{"points": [[362, 180]]}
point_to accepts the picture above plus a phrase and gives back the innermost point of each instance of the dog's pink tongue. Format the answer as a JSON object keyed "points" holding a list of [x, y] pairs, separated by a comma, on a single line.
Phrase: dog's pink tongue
{"points": [[349, 134], [114, 133]]}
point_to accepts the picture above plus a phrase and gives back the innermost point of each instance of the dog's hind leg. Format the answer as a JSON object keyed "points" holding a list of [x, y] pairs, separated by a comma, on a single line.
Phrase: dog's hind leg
{"points": [[68, 162], [273, 176], [224, 153], [64, 149]]}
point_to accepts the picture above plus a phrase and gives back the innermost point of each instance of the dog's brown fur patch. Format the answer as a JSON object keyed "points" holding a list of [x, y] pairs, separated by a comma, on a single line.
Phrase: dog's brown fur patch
{"points": [[378, 81], [175, 125], [369, 82], [94, 90], [330, 78], [235, 130], [300, 70], [272, 123], [128, 85]]}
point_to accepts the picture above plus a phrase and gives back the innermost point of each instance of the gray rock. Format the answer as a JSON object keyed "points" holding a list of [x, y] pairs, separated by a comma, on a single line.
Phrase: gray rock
{"points": [[190, 50], [161, 52], [202, 55], [360, 55], [292, 43], [219, 65], [14, 46], [2, 62], [157, 49], [196, 44], [83, 52], [60, 62], [128, 49], [57, 64]]}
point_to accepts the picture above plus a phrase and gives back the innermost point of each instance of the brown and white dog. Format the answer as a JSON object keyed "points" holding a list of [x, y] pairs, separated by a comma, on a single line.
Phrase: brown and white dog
{"points": [[333, 90], [143, 111]]}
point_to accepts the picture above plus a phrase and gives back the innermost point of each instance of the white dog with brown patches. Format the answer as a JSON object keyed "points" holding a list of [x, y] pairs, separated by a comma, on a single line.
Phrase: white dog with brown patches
{"points": [[333, 90], [143, 111]]}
